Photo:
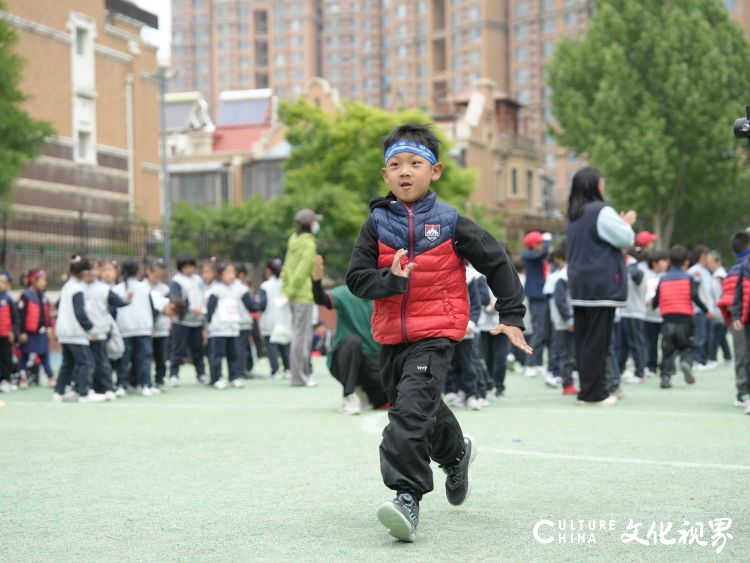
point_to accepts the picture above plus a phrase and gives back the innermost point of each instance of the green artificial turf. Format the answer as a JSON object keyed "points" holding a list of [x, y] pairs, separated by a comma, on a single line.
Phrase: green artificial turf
{"points": [[271, 472]]}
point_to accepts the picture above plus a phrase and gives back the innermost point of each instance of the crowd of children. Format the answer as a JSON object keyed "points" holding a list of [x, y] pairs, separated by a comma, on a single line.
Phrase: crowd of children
{"points": [[119, 324], [680, 303]]}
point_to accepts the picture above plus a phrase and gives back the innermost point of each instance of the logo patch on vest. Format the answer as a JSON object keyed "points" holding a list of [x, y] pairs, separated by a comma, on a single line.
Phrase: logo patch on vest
{"points": [[432, 232]]}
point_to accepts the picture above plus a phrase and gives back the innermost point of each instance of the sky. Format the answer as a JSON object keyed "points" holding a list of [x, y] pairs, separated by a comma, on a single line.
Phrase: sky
{"points": [[162, 37]]}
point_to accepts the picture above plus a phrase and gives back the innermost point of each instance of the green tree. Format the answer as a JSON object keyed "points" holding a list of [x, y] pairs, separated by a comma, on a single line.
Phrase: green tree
{"points": [[20, 135], [649, 95]]}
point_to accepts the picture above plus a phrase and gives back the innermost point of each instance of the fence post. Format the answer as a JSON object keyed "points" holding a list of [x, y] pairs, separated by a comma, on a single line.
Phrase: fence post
{"points": [[82, 232]]}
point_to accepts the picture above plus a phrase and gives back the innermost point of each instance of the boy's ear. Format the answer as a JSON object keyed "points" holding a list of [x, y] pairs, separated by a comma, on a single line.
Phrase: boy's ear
{"points": [[437, 171], [382, 174]]}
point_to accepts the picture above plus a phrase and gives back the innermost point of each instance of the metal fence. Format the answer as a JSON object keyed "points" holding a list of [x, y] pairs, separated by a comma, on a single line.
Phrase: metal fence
{"points": [[48, 243]]}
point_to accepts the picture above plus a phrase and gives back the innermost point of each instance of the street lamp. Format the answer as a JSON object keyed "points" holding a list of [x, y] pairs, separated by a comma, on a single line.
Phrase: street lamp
{"points": [[164, 75]]}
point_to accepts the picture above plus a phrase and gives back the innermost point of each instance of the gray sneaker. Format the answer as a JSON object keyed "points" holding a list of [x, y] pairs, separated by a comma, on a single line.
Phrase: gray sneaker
{"points": [[457, 482], [401, 516], [687, 371]]}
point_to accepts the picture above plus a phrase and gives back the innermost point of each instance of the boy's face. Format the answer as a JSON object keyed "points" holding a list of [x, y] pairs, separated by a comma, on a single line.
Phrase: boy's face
{"points": [[4, 283], [408, 176], [661, 266], [208, 274], [188, 270], [156, 274], [40, 283], [538, 247], [560, 263]]}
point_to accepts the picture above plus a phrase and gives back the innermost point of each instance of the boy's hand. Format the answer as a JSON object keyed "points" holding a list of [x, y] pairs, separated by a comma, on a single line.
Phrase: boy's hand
{"points": [[318, 269], [23, 339], [737, 326], [396, 269], [515, 336]]}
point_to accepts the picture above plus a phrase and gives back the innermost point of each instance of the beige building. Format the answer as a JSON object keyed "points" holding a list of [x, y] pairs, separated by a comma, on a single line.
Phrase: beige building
{"points": [[89, 74]]}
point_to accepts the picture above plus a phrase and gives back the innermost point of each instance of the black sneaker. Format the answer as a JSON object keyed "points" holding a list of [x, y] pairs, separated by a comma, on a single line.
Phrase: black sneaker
{"points": [[665, 384], [401, 516], [687, 370], [457, 481]]}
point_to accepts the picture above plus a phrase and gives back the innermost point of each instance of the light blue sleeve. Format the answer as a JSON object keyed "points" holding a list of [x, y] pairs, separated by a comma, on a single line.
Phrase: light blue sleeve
{"points": [[614, 230]]}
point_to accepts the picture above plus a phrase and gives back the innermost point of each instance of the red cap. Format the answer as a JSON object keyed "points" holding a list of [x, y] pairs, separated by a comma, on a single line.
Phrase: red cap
{"points": [[532, 239], [644, 238]]}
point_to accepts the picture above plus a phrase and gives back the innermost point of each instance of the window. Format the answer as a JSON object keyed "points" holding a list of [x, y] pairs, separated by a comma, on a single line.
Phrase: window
{"points": [[474, 14], [546, 92], [522, 75], [522, 9], [514, 181], [522, 54], [457, 84], [456, 41], [296, 25], [401, 73], [572, 157], [81, 41], [279, 60], [529, 188], [421, 7], [421, 70], [571, 20], [548, 25], [202, 188], [83, 146], [548, 5], [523, 97], [548, 139], [522, 31], [456, 61], [264, 179], [420, 49], [548, 48], [400, 11], [731, 5], [402, 52], [571, 2], [550, 160], [476, 58], [456, 19], [476, 35]]}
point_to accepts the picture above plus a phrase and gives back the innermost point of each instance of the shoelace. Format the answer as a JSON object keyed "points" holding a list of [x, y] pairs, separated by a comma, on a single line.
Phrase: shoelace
{"points": [[454, 475]]}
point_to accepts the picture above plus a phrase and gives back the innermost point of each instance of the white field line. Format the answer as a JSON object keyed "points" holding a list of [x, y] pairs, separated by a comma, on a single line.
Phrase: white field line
{"points": [[375, 425], [618, 460]]}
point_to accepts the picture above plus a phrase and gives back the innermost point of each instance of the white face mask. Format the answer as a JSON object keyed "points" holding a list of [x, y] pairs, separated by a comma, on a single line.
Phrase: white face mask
{"points": [[315, 228]]}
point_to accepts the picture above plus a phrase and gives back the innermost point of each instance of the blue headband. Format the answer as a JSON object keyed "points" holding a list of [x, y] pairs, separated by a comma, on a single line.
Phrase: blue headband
{"points": [[743, 254], [411, 147]]}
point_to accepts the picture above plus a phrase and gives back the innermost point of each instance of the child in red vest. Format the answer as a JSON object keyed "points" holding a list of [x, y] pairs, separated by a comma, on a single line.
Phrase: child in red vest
{"points": [[8, 334], [409, 259], [35, 324], [737, 283], [675, 295]]}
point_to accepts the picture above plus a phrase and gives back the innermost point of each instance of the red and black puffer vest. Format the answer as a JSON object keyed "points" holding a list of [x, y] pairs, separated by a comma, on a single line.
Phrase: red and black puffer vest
{"points": [[6, 315], [675, 293], [37, 312], [436, 302], [728, 287]]}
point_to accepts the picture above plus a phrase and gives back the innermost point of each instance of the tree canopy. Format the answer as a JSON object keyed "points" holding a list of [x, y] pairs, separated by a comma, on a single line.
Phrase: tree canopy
{"points": [[649, 95], [20, 135]]}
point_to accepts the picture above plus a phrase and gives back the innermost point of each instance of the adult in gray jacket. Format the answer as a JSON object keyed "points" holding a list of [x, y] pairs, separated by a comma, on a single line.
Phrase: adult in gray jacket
{"points": [[597, 278]]}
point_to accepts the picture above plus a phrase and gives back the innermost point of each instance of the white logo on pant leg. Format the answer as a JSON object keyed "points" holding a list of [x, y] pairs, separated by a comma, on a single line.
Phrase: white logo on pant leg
{"points": [[422, 368]]}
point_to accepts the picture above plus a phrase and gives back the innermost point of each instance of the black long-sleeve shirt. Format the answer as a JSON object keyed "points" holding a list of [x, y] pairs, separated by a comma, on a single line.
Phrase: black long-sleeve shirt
{"points": [[472, 242]]}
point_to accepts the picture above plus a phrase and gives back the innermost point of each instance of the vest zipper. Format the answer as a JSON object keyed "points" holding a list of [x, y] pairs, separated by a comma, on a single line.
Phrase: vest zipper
{"points": [[409, 209]]}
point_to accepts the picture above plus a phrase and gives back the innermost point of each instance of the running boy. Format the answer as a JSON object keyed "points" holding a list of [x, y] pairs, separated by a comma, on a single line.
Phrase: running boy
{"points": [[675, 295], [409, 260]]}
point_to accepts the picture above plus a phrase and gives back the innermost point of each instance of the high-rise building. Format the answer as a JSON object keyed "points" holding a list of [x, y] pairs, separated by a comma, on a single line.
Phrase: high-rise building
{"points": [[388, 53]]}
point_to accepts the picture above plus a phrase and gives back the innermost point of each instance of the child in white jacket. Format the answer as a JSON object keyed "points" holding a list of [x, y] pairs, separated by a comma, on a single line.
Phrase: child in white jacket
{"points": [[135, 322], [223, 318]]}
